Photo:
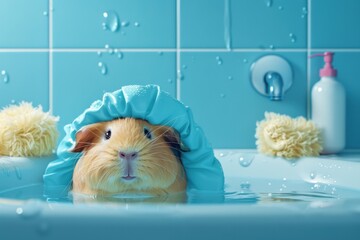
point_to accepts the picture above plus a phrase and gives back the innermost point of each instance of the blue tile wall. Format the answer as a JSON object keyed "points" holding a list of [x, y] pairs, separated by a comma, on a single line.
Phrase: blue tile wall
{"points": [[50, 51], [147, 24], [79, 81], [24, 77], [336, 25], [234, 106], [24, 24]]}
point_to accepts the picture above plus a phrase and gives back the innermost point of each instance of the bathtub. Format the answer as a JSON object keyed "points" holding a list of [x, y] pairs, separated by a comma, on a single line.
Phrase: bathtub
{"points": [[266, 198]]}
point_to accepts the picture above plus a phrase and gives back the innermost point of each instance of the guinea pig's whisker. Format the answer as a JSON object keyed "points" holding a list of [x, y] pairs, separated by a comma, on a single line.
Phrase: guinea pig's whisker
{"points": [[150, 160], [154, 151], [164, 158], [156, 128], [160, 167], [151, 142], [89, 143]]}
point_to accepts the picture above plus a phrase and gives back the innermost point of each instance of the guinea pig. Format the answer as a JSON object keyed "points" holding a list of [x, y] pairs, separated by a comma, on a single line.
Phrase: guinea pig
{"points": [[126, 156]]}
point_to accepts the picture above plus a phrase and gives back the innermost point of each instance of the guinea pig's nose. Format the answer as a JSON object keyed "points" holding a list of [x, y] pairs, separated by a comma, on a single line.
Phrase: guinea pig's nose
{"points": [[128, 155]]}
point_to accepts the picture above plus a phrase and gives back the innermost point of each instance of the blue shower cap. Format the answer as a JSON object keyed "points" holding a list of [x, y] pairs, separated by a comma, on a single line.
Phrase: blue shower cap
{"points": [[148, 102]]}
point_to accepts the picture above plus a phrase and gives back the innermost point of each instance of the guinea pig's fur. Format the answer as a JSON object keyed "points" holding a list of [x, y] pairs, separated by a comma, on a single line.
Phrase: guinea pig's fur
{"points": [[128, 155]]}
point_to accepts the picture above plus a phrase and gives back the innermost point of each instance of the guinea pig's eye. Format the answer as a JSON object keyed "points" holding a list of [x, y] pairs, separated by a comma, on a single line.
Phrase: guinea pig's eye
{"points": [[107, 134], [147, 133]]}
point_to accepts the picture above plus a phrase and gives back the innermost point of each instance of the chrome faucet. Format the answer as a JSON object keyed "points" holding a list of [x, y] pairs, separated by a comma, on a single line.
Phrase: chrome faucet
{"points": [[274, 86], [271, 76]]}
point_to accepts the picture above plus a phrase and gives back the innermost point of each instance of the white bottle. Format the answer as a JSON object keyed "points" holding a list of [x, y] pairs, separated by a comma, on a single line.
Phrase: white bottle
{"points": [[328, 107]]}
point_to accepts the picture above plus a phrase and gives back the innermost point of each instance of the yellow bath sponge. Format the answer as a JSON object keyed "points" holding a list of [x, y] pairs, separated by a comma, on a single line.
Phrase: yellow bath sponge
{"points": [[26, 131], [282, 136]]}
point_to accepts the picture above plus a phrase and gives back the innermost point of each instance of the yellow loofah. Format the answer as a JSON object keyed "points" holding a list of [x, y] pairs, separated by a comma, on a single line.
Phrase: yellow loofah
{"points": [[281, 136], [27, 131]]}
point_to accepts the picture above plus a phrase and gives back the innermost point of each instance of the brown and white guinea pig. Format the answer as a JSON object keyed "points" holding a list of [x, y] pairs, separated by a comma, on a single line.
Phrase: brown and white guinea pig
{"points": [[128, 155]]}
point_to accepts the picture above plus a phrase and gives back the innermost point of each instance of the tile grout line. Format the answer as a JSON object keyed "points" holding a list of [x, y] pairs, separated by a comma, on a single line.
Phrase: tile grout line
{"points": [[178, 70], [51, 100], [308, 62]]}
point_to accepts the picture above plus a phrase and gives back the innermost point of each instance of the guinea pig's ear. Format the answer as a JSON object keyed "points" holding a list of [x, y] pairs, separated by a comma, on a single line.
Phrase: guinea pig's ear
{"points": [[88, 136]]}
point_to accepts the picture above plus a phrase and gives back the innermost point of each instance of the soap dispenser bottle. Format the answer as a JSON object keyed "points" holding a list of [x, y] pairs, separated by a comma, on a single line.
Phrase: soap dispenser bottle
{"points": [[328, 107]]}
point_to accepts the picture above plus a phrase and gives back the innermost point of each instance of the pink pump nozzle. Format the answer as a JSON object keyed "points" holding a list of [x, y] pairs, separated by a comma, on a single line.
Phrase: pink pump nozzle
{"points": [[327, 70]]}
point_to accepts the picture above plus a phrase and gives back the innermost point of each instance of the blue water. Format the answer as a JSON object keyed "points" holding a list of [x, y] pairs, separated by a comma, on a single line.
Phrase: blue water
{"points": [[237, 191]]}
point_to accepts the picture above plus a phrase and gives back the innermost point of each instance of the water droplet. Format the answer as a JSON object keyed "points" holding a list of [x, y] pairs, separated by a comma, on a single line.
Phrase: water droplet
{"points": [[180, 75], [18, 173], [269, 183], [184, 66], [160, 53], [245, 161], [120, 55], [45, 13], [221, 154], [222, 95], [284, 179], [293, 164], [102, 67], [313, 175], [316, 186], [271, 46], [4, 76], [19, 211], [280, 189], [170, 80], [304, 11], [110, 21], [230, 77], [109, 50], [13, 101], [125, 23], [219, 60], [281, 8], [31, 208], [136, 24], [269, 194], [245, 60], [269, 3], [283, 186], [291, 35], [99, 53]]}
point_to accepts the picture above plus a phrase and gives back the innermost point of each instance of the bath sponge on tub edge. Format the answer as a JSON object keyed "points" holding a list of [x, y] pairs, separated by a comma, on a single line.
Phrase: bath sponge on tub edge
{"points": [[283, 136]]}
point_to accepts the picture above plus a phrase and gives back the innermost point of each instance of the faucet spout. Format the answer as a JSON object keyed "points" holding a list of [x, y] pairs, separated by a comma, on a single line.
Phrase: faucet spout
{"points": [[274, 86]]}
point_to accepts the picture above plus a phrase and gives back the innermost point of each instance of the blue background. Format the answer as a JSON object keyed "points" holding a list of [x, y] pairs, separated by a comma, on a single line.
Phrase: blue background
{"points": [[49, 49]]}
